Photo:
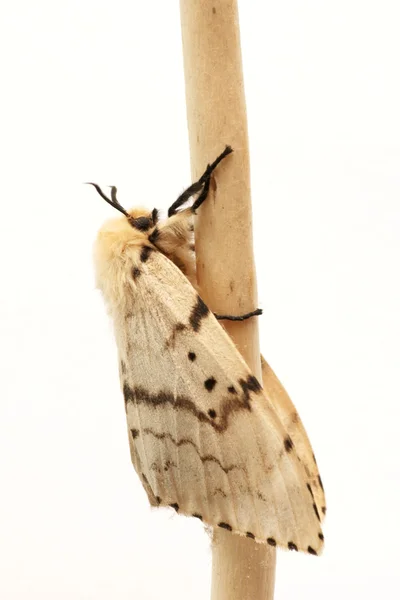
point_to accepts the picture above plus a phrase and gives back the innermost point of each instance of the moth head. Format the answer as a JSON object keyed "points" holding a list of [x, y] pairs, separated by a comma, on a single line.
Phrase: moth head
{"points": [[142, 220], [115, 237], [138, 218]]}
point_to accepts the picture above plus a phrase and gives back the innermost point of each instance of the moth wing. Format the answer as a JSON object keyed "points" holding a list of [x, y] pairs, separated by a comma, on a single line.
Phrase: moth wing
{"points": [[205, 439], [290, 419]]}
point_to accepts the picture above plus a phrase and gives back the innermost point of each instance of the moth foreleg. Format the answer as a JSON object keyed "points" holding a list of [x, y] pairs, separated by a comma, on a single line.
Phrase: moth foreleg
{"points": [[198, 186], [203, 196]]}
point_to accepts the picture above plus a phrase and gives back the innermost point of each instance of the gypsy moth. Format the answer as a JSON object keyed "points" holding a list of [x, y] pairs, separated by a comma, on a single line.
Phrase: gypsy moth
{"points": [[206, 438]]}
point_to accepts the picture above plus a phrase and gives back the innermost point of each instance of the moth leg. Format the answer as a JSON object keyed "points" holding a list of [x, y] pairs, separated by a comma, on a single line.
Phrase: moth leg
{"points": [[203, 196], [254, 313], [198, 185], [186, 195]]}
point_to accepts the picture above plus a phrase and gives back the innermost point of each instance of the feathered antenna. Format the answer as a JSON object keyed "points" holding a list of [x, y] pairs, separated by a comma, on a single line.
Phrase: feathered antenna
{"points": [[113, 202], [141, 223]]}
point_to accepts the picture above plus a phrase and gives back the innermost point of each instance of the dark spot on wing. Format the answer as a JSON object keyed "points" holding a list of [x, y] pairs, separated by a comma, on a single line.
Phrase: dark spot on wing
{"points": [[212, 413], [123, 367], [135, 433], [199, 312], [321, 536], [292, 546], [175, 506], [261, 496], [250, 535], [192, 356], [324, 510], [155, 467], [128, 393], [316, 511], [271, 541], [197, 516], [225, 526], [158, 499], [209, 383], [169, 464], [311, 551], [249, 385], [145, 253], [214, 10], [232, 390], [288, 444], [320, 483], [135, 273]]}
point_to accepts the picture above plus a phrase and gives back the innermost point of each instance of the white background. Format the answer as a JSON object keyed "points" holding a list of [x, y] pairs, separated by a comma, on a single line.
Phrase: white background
{"points": [[95, 91]]}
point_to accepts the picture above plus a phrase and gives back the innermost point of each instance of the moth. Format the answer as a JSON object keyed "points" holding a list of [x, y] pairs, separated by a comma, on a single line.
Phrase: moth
{"points": [[206, 438]]}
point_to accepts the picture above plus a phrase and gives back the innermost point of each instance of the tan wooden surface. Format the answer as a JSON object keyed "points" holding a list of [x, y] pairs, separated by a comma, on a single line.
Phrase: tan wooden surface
{"points": [[216, 113]]}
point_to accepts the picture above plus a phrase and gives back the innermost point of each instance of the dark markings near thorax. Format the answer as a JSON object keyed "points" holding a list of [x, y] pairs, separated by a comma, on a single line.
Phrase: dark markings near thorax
{"points": [[199, 312], [145, 253]]}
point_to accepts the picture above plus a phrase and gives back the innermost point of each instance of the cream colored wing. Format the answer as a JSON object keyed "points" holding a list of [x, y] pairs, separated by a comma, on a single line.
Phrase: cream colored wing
{"points": [[205, 439], [290, 419]]}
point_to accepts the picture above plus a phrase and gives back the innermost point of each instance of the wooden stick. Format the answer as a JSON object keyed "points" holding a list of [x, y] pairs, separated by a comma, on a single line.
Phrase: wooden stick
{"points": [[216, 112]]}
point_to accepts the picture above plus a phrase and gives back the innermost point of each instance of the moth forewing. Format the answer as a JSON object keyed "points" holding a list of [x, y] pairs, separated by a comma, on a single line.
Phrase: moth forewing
{"points": [[204, 437]]}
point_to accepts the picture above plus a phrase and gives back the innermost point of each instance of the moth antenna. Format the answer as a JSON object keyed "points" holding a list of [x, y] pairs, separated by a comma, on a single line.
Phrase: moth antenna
{"points": [[116, 204], [113, 202]]}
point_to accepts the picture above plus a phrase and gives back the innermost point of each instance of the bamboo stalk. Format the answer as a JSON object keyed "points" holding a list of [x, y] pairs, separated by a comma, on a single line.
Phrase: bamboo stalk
{"points": [[216, 113]]}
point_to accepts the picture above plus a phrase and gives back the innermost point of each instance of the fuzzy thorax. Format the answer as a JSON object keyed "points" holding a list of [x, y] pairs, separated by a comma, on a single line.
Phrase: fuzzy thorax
{"points": [[119, 242]]}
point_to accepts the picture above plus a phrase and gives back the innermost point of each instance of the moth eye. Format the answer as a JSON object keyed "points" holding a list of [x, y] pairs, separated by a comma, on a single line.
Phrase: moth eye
{"points": [[142, 223]]}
